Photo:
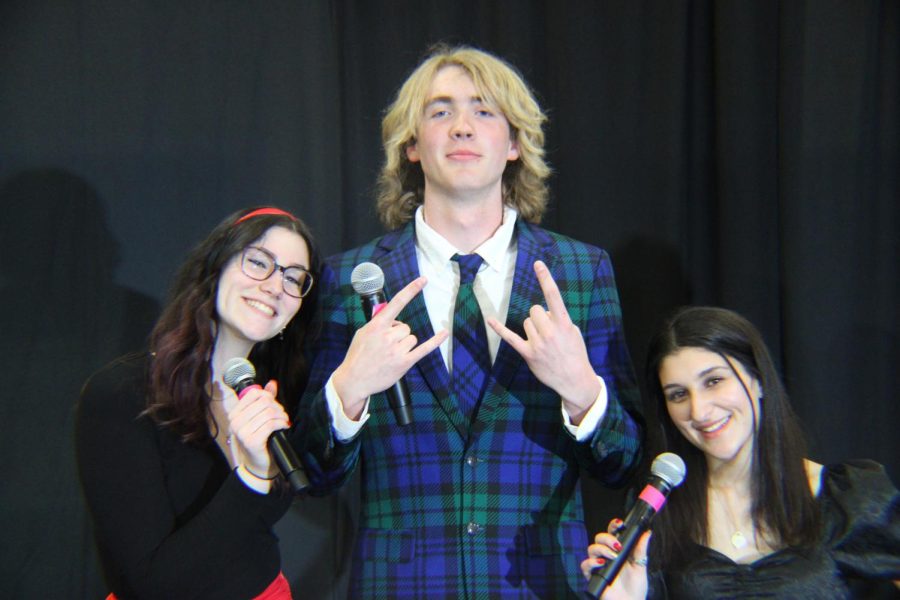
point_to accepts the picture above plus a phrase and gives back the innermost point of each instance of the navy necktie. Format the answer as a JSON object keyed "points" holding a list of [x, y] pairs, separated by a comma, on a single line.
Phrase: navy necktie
{"points": [[471, 359]]}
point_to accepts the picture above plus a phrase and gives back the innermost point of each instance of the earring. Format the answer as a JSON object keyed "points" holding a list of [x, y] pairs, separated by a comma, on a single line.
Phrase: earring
{"points": [[281, 335]]}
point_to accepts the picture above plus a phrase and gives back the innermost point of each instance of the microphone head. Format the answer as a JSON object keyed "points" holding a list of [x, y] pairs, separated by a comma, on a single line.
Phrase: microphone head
{"points": [[670, 468], [367, 278], [237, 370]]}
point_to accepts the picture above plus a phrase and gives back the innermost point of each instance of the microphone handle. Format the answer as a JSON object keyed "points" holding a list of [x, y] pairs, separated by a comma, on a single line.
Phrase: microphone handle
{"points": [[372, 303], [398, 398], [397, 394], [288, 461], [636, 523]]}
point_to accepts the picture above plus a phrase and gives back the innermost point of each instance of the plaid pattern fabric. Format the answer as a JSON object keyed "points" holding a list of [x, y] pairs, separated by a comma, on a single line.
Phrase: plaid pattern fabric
{"points": [[487, 507], [471, 358]]}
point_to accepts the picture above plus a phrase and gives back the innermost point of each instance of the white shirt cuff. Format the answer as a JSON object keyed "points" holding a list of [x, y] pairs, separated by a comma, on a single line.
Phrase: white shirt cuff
{"points": [[584, 430], [344, 427]]}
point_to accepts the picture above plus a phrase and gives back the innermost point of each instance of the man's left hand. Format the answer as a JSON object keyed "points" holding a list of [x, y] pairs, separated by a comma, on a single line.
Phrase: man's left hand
{"points": [[554, 349]]}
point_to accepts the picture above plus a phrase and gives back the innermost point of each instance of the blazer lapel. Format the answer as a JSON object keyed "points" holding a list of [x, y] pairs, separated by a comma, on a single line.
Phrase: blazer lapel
{"points": [[525, 293], [400, 266]]}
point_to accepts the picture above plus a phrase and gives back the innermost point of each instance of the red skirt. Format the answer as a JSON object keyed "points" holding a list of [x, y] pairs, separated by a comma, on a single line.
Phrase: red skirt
{"points": [[279, 589]]}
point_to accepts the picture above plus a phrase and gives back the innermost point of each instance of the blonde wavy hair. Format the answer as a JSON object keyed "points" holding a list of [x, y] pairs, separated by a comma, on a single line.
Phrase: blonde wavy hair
{"points": [[401, 184]]}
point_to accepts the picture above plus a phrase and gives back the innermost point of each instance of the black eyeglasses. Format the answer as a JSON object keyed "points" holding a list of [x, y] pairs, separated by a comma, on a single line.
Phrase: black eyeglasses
{"points": [[259, 264]]}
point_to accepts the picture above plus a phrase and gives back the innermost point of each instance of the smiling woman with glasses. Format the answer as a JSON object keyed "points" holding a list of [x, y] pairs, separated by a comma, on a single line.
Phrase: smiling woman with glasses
{"points": [[259, 264], [175, 469]]}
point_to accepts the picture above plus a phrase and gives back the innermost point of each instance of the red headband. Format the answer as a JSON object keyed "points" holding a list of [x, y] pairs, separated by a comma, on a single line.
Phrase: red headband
{"points": [[269, 210]]}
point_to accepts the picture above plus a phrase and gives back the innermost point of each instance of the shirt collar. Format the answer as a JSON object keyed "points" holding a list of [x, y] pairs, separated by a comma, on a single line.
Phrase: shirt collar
{"points": [[438, 251]]}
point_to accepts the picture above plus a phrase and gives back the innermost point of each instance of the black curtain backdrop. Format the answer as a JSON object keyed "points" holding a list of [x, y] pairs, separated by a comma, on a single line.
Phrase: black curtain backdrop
{"points": [[743, 154]]}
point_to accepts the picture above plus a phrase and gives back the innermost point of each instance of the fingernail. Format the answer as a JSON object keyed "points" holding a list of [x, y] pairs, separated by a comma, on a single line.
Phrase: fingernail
{"points": [[617, 546], [601, 561]]}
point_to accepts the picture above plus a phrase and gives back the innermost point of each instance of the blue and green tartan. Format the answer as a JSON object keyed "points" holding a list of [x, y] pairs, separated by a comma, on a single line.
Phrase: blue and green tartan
{"points": [[483, 508], [471, 357]]}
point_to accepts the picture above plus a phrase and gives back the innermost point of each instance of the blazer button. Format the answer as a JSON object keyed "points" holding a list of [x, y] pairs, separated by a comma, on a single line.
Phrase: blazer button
{"points": [[471, 460], [473, 528]]}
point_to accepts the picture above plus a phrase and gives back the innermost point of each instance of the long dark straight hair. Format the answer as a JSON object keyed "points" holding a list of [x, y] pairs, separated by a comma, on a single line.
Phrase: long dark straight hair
{"points": [[185, 334], [782, 507]]}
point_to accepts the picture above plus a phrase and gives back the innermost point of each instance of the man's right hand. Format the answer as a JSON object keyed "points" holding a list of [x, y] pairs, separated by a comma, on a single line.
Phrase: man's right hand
{"points": [[381, 352]]}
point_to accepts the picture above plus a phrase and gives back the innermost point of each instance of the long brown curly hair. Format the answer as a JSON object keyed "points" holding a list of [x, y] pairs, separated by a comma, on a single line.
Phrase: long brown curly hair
{"points": [[183, 338]]}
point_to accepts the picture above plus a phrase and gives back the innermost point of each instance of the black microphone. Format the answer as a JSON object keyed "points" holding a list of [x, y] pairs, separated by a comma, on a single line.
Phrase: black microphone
{"points": [[367, 280], [666, 473], [241, 376]]}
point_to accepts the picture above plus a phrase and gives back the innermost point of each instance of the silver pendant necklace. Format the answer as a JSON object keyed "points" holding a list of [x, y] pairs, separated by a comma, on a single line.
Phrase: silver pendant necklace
{"points": [[738, 540]]}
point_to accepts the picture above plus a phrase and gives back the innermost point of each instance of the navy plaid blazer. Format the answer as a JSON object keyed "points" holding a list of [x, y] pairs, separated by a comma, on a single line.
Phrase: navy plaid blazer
{"points": [[491, 507]]}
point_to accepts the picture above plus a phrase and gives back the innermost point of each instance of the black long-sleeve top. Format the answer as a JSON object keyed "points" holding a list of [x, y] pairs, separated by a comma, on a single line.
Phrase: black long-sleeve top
{"points": [[857, 555], [171, 520]]}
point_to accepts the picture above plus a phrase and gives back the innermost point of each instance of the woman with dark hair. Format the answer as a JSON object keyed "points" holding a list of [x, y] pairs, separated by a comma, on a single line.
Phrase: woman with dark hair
{"points": [[175, 469], [754, 517]]}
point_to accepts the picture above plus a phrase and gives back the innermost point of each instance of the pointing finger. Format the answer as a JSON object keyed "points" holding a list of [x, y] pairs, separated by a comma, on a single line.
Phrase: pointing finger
{"points": [[401, 299], [508, 335], [555, 305], [428, 346]]}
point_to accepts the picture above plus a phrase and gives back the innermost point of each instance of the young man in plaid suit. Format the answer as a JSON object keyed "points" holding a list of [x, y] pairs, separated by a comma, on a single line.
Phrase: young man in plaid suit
{"points": [[479, 496]]}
